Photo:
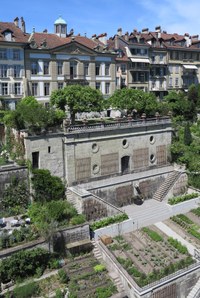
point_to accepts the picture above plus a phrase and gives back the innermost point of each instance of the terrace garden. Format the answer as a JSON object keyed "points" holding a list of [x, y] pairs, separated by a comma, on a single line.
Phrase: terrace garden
{"points": [[149, 255]]}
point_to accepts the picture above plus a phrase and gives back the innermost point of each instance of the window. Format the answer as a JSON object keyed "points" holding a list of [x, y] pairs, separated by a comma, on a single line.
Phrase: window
{"points": [[107, 91], [17, 88], [86, 69], [170, 82], [3, 54], [59, 67], [98, 69], [177, 69], [34, 88], [46, 88], [123, 68], [16, 71], [176, 81], [98, 85], [34, 67], [3, 70], [60, 85], [161, 57], [46, 67], [123, 82], [49, 149], [107, 69], [16, 54], [73, 69], [4, 88]]}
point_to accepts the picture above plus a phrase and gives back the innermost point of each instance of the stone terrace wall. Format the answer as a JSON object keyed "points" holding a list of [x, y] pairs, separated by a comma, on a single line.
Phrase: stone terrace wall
{"points": [[8, 172]]}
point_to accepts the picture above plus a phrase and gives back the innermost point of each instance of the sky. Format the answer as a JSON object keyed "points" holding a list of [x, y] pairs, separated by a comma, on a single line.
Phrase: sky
{"points": [[89, 17]]}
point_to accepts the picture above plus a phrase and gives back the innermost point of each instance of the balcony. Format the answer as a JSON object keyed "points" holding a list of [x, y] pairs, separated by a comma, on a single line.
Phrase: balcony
{"points": [[73, 79]]}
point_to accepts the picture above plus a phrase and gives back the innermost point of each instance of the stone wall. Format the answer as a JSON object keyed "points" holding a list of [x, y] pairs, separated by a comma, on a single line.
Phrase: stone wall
{"points": [[87, 153], [9, 172]]}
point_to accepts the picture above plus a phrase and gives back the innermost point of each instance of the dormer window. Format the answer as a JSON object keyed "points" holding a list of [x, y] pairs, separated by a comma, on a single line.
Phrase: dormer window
{"points": [[8, 35]]}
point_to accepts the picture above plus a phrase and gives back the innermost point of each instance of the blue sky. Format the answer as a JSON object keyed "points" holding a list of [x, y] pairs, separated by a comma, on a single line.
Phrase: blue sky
{"points": [[96, 17]]}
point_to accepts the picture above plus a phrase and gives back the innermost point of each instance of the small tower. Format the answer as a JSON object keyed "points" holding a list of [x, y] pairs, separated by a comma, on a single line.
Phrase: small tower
{"points": [[60, 27]]}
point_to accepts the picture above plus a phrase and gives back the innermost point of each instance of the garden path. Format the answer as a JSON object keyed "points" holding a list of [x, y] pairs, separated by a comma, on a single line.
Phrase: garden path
{"points": [[165, 229]]}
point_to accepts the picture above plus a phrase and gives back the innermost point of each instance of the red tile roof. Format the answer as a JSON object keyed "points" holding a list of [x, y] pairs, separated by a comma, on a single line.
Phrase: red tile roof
{"points": [[17, 34]]}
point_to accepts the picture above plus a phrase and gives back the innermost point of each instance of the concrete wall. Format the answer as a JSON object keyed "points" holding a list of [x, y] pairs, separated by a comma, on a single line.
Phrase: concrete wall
{"points": [[115, 229]]}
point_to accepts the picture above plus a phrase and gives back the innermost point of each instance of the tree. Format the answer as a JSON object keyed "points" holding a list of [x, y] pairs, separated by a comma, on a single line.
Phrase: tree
{"points": [[180, 106], [16, 197], [130, 99], [47, 187], [193, 93], [78, 99], [32, 115]]}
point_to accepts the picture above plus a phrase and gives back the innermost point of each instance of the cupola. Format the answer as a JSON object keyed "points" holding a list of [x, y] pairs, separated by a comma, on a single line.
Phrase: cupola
{"points": [[60, 27]]}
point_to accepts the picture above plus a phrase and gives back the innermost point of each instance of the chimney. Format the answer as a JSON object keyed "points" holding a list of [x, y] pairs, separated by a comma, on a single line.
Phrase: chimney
{"points": [[16, 22], [116, 42], [94, 36], [119, 32], [45, 31], [126, 36], [145, 30], [195, 37], [135, 30], [103, 38], [158, 29], [23, 26]]}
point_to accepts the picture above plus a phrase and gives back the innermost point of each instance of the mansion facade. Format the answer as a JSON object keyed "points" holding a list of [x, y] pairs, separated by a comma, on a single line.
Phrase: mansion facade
{"points": [[38, 63]]}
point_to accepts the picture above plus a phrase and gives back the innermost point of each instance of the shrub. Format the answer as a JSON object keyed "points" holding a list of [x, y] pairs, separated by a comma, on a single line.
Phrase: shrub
{"points": [[99, 268], [59, 294], [25, 291], [63, 277], [196, 211], [78, 219]]}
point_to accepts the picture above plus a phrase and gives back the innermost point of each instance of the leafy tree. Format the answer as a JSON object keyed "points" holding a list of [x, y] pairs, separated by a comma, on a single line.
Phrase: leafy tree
{"points": [[193, 93], [32, 115], [16, 197], [77, 98], [23, 264], [180, 106], [130, 99], [47, 187]]}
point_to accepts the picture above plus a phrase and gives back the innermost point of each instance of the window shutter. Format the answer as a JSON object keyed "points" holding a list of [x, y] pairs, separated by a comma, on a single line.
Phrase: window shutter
{"points": [[0, 88]]}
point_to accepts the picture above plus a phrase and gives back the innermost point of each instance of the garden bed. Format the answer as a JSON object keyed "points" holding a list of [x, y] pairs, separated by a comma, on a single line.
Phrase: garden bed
{"points": [[148, 255]]}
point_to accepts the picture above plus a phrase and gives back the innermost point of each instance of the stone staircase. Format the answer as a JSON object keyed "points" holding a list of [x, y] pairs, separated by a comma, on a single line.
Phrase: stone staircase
{"points": [[70, 199], [115, 278], [96, 251], [195, 292], [166, 186]]}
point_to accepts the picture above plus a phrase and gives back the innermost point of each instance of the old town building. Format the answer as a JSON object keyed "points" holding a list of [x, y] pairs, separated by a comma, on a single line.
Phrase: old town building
{"points": [[38, 63]]}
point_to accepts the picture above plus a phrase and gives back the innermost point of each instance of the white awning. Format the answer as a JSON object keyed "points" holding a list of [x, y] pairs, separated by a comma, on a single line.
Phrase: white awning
{"points": [[188, 66], [144, 60]]}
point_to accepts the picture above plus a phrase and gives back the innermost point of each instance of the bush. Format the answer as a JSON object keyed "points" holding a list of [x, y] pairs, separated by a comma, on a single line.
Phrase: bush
{"points": [[25, 291], [59, 294], [77, 220], [63, 277], [99, 268]]}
